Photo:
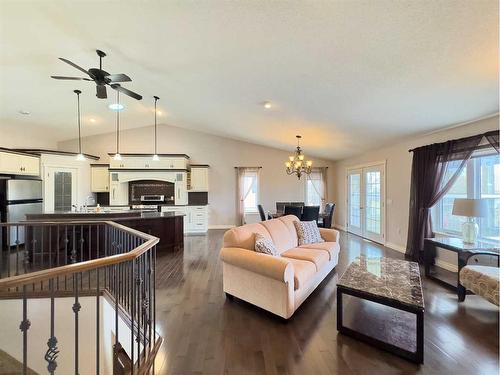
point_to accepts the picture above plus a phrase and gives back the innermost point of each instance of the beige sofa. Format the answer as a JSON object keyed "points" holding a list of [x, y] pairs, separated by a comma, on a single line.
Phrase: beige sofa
{"points": [[277, 284]]}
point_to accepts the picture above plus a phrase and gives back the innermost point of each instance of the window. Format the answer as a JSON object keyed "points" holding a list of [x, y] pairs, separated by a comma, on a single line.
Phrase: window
{"points": [[314, 187], [479, 179], [251, 190]]}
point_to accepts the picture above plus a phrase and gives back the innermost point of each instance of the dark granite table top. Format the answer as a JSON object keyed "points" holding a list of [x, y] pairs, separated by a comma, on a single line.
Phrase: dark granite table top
{"points": [[386, 278], [457, 244]]}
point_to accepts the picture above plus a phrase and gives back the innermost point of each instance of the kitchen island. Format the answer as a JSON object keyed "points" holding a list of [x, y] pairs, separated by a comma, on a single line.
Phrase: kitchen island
{"points": [[167, 226]]}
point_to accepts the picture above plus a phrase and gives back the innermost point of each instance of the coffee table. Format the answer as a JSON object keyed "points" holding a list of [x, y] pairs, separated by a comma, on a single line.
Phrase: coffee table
{"points": [[390, 282]]}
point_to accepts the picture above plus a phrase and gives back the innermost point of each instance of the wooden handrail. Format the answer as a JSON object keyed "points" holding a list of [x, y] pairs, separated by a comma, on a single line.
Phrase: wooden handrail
{"points": [[48, 274]]}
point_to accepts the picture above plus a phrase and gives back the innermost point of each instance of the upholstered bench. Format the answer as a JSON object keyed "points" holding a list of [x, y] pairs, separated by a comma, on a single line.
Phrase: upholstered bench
{"points": [[483, 281]]}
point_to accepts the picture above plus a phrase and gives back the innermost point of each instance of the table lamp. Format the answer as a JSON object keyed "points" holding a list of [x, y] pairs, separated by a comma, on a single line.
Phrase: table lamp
{"points": [[471, 208]]}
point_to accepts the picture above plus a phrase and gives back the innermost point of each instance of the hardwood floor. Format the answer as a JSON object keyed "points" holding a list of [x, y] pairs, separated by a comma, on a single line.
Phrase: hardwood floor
{"points": [[207, 334]]}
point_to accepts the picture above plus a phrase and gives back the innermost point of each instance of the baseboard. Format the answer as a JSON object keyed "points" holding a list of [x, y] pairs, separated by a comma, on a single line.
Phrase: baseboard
{"points": [[340, 227], [398, 248], [221, 226]]}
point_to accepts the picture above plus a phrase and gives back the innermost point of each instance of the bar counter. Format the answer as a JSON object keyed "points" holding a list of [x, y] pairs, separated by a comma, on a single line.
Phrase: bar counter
{"points": [[167, 226]]}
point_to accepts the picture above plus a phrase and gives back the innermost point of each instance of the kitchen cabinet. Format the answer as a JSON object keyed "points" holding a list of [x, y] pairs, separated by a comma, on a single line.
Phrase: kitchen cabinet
{"points": [[195, 219], [181, 196], [199, 178], [19, 164], [141, 161], [99, 178]]}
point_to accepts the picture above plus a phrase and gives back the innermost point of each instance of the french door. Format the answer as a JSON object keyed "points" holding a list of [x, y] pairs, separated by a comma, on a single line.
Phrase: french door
{"points": [[366, 202]]}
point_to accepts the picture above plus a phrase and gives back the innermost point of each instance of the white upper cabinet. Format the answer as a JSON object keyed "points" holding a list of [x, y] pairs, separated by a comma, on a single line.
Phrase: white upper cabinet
{"points": [[199, 178], [19, 164], [99, 178], [141, 161]]}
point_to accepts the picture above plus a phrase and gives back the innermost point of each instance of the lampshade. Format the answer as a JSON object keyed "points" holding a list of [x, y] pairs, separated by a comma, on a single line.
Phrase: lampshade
{"points": [[469, 207]]}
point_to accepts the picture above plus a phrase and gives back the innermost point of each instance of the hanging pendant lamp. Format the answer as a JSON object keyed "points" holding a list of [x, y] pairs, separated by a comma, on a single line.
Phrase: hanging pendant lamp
{"points": [[296, 163], [155, 156], [80, 156], [117, 154]]}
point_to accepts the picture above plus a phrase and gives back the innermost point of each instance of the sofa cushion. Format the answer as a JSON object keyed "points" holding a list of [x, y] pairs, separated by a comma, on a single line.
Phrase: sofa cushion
{"points": [[308, 232], [331, 247], [265, 245], [288, 220], [244, 236], [318, 257], [303, 272], [280, 234]]}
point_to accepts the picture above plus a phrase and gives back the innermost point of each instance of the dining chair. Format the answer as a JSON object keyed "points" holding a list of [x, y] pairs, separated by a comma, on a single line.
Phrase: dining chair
{"points": [[326, 220], [280, 207], [261, 212], [310, 213], [293, 210]]}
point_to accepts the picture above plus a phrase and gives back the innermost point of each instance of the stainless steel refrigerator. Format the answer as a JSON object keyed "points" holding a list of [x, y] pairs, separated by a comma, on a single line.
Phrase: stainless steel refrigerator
{"points": [[18, 197]]}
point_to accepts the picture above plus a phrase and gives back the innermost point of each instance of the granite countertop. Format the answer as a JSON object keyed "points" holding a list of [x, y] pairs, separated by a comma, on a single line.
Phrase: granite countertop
{"points": [[392, 279], [121, 215]]}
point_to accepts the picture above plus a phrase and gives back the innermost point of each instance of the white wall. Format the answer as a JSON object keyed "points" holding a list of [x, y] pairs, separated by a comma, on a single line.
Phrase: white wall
{"points": [[16, 137], [398, 161], [222, 154]]}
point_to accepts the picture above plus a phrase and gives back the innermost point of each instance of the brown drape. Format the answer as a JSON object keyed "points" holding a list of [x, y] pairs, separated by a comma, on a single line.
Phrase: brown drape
{"points": [[430, 181]]}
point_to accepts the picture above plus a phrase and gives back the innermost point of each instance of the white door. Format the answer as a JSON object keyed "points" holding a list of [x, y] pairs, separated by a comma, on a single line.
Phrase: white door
{"points": [[366, 202], [354, 222]]}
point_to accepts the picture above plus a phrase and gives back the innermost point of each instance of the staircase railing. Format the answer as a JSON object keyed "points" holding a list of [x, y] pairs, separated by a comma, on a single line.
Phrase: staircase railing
{"points": [[79, 259]]}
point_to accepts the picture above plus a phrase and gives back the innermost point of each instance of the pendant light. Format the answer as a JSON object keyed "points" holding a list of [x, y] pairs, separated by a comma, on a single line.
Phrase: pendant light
{"points": [[80, 156], [117, 154], [155, 156]]}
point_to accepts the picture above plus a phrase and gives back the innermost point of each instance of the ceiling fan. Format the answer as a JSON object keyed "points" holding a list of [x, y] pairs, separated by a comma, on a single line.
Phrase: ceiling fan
{"points": [[101, 78]]}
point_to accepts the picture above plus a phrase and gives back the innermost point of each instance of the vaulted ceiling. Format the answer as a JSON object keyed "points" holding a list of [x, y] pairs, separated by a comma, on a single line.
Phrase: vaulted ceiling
{"points": [[347, 75]]}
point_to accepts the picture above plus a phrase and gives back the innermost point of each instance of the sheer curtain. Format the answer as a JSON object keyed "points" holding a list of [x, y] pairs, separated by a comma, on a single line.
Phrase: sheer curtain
{"points": [[241, 192], [430, 180], [318, 179]]}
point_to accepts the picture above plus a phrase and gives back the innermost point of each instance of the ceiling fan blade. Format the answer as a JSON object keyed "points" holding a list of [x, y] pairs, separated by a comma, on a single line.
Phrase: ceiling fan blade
{"points": [[75, 66], [101, 92], [126, 91], [119, 78], [71, 78]]}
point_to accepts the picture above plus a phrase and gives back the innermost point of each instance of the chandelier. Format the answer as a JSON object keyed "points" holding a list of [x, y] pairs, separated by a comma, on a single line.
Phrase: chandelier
{"points": [[296, 163]]}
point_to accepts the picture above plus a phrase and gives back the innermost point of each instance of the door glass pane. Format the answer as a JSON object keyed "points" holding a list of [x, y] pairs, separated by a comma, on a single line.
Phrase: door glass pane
{"points": [[62, 191], [354, 200], [373, 202]]}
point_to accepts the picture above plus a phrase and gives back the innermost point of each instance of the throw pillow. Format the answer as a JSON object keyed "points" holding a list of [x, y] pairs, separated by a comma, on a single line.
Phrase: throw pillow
{"points": [[265, 245], [308, 232]]}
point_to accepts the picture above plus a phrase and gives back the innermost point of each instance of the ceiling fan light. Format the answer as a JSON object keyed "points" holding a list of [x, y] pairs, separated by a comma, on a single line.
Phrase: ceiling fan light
{"points": [[116, 107]]}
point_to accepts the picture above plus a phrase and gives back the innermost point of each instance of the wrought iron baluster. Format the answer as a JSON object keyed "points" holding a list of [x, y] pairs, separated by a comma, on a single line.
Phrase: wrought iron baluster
{"points": [[81, 253], [150, 296], [41, 252], [89, 247], [8, 251], [139, 310], [57, 251], [98, 328], [73, 250], [17, 252], [66, 242], [132, 327], [24, 326], [52, 351], [116, 320], [76, 309]]}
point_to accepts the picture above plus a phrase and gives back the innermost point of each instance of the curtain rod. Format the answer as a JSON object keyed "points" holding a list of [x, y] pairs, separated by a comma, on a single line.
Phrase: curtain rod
{"points": [[491, 132]]}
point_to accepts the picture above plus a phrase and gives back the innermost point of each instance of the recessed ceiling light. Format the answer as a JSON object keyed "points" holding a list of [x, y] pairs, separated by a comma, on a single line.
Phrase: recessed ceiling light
{"points": [[267, 105], [24, 112], [92, 120], [159, 112], [116, 107]]}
